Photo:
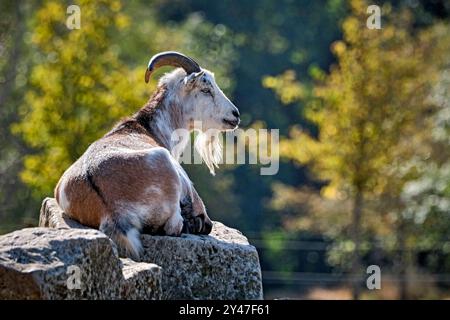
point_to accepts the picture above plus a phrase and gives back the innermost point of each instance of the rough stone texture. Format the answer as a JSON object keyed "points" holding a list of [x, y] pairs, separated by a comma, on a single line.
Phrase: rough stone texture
{"points": [[52, 216], [219, 266], [35, 264], [141, 279], [222, 265]]}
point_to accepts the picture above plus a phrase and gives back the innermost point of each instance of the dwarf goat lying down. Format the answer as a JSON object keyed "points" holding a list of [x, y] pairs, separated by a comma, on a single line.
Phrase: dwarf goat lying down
{"points": [[130, 180]]}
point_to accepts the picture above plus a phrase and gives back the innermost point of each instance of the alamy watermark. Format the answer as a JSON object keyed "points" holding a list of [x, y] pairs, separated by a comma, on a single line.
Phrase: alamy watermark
{"points": [[374, 20], [74, 277], [374, 279], [262, 146], [73, 21]]}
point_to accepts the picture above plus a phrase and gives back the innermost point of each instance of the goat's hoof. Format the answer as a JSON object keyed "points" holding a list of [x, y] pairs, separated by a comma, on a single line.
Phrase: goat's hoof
{"points": [[199, 221], [202, 225], [207, 227], [186, 228]]}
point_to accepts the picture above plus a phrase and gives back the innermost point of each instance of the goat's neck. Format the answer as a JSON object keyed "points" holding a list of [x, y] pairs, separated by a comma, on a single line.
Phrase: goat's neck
{"points": [[161, 116], [167, 119]]}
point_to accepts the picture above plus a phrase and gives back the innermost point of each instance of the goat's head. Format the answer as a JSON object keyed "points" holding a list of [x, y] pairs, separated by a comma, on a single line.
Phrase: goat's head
{"points": [[197, 91]]}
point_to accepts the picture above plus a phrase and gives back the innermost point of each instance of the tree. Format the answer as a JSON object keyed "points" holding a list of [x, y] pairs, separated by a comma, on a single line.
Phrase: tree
{"points": [[268, 37], [371, 113], [79, 87], [82, 81], [15, 206], [428, 196]]}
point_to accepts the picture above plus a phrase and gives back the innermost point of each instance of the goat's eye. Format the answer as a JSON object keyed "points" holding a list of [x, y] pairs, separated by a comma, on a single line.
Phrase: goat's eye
{"points": [[206, 91]]}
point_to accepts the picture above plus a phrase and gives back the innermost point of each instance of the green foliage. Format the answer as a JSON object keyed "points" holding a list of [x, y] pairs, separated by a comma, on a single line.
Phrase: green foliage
{"points": [[267, 37], [372, 115], [79, 88], [369, 103], [80, 84], [366, 125], [15, 205], [428, 196]]}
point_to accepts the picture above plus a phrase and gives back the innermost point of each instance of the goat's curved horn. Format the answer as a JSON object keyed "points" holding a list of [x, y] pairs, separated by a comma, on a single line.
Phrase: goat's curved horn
{"points": [[171, 58]]}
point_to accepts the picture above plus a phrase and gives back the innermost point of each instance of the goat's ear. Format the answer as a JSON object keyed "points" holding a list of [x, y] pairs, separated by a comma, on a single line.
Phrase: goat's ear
{"points": [[193, 77]]}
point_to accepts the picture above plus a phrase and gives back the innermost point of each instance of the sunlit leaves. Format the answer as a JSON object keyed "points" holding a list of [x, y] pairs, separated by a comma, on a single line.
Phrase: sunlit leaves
{"points": [[79, 88], [372, 112], [286, 86]]}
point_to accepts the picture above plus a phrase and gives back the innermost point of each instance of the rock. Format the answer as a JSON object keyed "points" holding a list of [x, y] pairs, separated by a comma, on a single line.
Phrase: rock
{"points": [[43, 263], [52, 216], [219, 266], [141, 279], [222, 265]]}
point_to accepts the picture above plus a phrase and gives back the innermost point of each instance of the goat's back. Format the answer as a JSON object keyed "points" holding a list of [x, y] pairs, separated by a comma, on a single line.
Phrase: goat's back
{"points": [[115, 171]]}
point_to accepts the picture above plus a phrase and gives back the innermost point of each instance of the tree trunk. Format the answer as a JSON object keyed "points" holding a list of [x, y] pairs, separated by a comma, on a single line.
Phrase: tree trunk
{"points": [[403, 261], [356, 237], [10, 71]]}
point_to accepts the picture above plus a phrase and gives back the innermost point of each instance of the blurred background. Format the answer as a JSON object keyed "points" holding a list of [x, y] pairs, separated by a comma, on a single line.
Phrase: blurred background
{"points": [[363, 114]]}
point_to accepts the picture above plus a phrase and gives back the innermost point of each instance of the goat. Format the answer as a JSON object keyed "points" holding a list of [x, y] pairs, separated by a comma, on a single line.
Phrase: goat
{"points": [[130, 180]]}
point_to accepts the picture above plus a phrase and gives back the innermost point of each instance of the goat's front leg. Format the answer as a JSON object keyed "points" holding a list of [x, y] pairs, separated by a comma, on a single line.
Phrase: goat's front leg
{"points": [[196, 219]]}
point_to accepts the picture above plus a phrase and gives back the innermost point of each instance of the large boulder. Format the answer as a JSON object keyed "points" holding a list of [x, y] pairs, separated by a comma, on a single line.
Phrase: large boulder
{"points": [[142, 281], [222, 265], [43, 263]]}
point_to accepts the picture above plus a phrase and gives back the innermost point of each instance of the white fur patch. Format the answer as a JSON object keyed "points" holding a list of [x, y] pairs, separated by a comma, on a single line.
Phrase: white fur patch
{"points": [[153, 191], [163, 153], [63, 199], [134, 239], [174, 224], [209, 147], [156, 154], [136, 212]]}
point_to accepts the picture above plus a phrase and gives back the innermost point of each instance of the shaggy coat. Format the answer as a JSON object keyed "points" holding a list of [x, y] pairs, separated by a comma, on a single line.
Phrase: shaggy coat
{"points": [[130, 181]]}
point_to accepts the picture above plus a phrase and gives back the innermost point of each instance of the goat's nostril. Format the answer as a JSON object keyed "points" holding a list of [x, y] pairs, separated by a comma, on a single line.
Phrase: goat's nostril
{"points": [[236, 113]]}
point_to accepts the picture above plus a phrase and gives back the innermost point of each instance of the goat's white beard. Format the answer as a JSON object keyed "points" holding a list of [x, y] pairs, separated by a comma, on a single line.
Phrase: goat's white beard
{"points": [[209, 148]]}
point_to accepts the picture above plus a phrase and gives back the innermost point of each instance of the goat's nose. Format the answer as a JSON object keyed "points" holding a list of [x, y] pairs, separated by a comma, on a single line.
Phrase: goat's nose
{"points": [[236, 113]]}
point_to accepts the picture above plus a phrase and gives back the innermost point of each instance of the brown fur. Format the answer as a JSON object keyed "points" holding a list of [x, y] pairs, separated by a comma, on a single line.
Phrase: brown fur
{"points": [[85, 206], [89, 207], [129, 181]]}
